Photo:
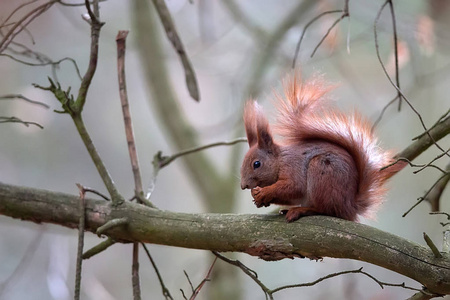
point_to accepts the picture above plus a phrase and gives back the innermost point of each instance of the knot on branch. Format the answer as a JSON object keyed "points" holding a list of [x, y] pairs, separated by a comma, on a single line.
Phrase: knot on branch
{"points": [[276, 249]]}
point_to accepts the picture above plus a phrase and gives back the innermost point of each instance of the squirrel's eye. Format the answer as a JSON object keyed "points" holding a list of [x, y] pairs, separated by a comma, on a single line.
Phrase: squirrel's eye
{"points": [[256, 164]]}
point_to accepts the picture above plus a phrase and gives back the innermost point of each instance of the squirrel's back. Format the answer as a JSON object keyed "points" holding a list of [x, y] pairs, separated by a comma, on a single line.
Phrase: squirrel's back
{"points": [[304, 114]]}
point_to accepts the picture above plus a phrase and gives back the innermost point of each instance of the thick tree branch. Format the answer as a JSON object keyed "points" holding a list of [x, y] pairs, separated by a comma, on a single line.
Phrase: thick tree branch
{"points": [[266, 236]]}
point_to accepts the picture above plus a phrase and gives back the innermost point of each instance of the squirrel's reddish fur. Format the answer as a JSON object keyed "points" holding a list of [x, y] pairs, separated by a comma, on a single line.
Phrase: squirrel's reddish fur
{"points": [[328, 163]]}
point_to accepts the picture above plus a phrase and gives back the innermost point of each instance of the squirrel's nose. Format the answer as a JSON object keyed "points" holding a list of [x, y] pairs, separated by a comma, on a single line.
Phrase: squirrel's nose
{"points": [[244, 186]]}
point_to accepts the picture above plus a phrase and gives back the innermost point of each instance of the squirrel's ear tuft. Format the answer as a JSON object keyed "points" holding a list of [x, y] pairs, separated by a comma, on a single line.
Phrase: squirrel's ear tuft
{"points": [[250, 122], [264, 136]]}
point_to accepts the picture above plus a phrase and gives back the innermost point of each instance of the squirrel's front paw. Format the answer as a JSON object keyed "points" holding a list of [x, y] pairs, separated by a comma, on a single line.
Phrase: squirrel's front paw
{"points": [[259, 198]]}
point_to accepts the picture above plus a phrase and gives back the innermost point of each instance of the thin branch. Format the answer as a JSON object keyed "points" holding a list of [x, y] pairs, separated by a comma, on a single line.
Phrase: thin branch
{"points": [[165, 290], [430, 163], [382, 284], [440, 213], [99, 248], [18, 96], [196, 291], [423, 143], [17, 120], [112, 224], [434, 125], [14, 11], [138, 190], [269, 292], [189, 280], [378, 120], [135, 273], [250, 273], [420, 199], [46, 63], [19, 26], [81, 227], [96, 26], [432, 246], [299, 43], [434, 196], [390, 79], [172, 35], [344, 15], [397, 72], [160, 161], [91, 190], [117, 199]]}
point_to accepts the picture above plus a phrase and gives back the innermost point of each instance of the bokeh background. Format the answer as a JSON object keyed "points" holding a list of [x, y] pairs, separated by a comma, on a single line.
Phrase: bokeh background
{"points": [[235, 57]]}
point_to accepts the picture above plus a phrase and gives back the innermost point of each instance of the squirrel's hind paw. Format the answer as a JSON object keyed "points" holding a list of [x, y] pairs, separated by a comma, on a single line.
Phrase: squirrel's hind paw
{"points": [[295, 213]]}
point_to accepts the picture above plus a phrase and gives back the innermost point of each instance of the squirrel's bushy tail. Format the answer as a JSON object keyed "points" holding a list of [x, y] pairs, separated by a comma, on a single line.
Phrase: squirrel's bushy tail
{"points": [[304, 114]]}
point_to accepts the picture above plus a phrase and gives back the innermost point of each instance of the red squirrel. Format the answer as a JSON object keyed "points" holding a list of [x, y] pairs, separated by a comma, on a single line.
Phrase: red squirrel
{"points": [[328, 163]]}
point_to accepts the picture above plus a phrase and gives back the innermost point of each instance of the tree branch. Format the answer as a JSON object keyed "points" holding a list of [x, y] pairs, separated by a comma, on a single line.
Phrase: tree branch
{"points": [[266, 236]]}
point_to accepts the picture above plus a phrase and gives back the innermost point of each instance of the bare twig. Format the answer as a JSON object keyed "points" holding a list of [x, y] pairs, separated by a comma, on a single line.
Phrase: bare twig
{"points": [[392, 82], [430, 163], [17, 120], [420, 199], [358, 271], [160, 161], [440, 213], [80, 243], [196, 291], [91, 190], [5, 22], [165, 290], [138, 190], [117, 199], [111, 224], [432, 246], [53, 64], [99, 248], [439, 131], [397, 74], [18, 96], [135, 272], [378, 120], [21, 24], [299, 43], [434, 125], [172, 35], [189, 280], [345, 13], [96, 26], [250, 273], [435, 194], [269, 292]]}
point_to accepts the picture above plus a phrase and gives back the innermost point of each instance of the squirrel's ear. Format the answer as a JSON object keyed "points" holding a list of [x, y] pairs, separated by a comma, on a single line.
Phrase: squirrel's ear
{"points": [[250, 122], [264, 136]]}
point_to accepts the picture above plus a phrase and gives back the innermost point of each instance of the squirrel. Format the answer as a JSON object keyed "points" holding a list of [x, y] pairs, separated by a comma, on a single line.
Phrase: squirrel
{"points": [[329, 163]]}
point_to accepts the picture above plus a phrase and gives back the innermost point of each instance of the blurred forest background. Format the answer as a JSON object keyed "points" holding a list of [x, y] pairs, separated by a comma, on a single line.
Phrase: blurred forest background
{"points": [[238, 49]]}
